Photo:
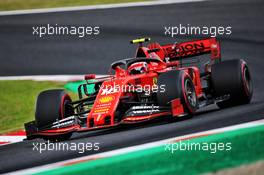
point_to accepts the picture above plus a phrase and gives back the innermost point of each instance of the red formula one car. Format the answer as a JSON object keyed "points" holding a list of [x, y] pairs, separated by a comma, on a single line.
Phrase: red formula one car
{"points": [[156, 82]]}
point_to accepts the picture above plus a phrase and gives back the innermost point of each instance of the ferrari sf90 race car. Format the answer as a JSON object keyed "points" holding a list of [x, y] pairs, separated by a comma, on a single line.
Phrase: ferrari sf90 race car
{"points": [[157, 82]]}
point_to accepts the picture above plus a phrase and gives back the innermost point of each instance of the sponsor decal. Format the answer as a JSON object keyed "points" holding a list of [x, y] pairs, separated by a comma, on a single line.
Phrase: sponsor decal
{"points": [[103, 105], [106, 99], [145, 107], [63, 124], [140, 110], [101, 110], [145, 111], [98, 118], [110, 90], [186, 50]]}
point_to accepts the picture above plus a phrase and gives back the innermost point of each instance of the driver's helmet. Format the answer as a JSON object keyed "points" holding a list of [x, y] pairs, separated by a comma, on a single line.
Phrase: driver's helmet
{"points": [[138, 68]]}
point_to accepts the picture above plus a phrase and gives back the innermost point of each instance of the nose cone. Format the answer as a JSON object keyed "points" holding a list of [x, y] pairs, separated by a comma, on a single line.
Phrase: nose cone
{"points": [[99, 120]]}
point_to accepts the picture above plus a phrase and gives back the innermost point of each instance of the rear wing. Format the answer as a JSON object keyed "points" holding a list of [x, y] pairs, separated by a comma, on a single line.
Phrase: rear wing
{"points": [[178, 51]]}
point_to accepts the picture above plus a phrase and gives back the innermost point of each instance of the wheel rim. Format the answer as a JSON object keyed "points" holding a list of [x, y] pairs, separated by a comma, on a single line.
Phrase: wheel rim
{"points": [[247, 80], [190, 93]]}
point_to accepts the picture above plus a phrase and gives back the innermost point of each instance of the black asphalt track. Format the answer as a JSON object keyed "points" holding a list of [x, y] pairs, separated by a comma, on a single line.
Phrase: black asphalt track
{"points": [[21, 53]]}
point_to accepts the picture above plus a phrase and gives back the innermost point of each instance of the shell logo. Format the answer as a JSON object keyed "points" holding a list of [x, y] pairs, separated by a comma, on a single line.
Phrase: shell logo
{"points": [[106, 99]]}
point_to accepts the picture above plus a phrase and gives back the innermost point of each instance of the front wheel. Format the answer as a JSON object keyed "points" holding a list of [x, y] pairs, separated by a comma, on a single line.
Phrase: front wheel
{"points": [[51, 106]]}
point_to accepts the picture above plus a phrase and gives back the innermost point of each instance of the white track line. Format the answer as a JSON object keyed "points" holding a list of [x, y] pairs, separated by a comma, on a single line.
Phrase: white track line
{"points": [[11, 139], [137, 148], [92, 7], [47, 77]]}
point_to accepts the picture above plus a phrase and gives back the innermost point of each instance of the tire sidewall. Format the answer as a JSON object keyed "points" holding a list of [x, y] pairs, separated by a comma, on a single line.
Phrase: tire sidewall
{"points": [[228, 78], [191, 108], [174, 82], [50, 107]]}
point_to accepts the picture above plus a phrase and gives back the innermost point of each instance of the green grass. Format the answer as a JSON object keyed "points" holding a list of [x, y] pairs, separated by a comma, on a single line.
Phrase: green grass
{"points": [[34, 4], [17, 102]]}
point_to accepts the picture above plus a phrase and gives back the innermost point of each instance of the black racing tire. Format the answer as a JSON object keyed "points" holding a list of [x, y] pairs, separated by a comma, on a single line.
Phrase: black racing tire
{"points": [[177, 84], [52, 105], [232, 78]]}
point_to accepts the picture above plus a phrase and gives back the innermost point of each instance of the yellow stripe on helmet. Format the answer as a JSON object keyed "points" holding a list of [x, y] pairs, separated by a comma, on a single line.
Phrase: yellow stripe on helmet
{"points": [[139, 40]]}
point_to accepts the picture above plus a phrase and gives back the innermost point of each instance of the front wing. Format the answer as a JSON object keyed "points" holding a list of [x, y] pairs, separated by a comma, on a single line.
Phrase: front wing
{"points": [[134, 115]]}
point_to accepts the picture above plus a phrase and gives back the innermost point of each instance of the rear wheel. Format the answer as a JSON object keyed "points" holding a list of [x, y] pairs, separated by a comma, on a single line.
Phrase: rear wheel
{"points": [[51, 106], [232, 78], [177, 84]]}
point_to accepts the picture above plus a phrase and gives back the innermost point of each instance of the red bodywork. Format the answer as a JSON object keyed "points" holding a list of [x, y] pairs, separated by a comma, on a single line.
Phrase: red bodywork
{"points": [[108, 98]]}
